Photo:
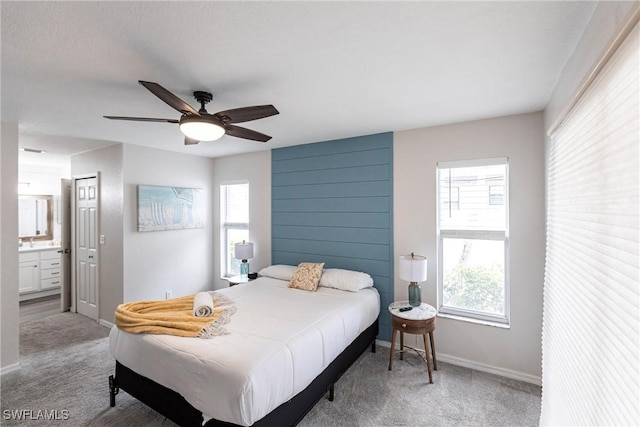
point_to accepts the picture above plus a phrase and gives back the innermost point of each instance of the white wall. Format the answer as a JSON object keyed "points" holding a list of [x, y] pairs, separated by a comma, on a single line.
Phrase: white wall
{"points": [[9, 332], [255, 168], [108, 162], [42, 179], [514, 352], [181, 261], [606, 18]]}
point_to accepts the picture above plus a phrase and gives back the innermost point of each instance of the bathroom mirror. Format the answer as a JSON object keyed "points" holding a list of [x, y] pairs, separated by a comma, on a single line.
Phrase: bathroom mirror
{"points": [[35, 217]]}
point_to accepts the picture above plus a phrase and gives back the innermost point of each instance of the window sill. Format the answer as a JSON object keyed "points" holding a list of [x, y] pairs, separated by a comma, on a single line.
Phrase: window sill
{"points": [[476, 321]]}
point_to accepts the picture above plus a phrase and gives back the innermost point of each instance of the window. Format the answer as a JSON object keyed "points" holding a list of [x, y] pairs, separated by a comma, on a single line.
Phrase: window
{"points": [[593, 247], [451, 199], [472, 239], [234, 220], [496, 194]]}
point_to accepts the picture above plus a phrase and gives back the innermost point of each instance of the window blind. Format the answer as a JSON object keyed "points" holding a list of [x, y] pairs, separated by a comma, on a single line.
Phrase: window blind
{"points": [[591, 325]]}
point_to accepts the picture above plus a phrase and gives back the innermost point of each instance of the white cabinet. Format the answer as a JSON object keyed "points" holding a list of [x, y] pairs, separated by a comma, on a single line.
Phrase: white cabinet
{"points": [[29, 272], [39, 273]]}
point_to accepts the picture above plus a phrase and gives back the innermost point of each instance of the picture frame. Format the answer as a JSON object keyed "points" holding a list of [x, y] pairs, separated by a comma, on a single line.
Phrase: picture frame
{"points": [[170, 208]]}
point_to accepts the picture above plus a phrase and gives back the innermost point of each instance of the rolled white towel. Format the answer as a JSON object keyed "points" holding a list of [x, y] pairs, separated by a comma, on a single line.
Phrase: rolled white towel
{"points": [[202, 304]]}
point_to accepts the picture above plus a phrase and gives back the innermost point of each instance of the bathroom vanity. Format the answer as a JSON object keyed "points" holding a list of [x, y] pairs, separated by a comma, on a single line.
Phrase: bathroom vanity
{"points": [[40, 271]]}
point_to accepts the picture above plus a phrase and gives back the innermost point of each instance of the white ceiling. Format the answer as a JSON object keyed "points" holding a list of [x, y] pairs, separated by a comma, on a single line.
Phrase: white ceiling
{"points": [[333, 69]]}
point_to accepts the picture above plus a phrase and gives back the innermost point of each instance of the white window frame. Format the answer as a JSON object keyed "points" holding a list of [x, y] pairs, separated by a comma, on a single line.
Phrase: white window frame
{"points": [[500, 235], [225, 227]]}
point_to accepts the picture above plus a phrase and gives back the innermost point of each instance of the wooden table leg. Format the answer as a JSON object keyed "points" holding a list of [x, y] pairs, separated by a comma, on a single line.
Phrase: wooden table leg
{"points": [[393, 348], [401, 345], [427, 357], [433, 351]]}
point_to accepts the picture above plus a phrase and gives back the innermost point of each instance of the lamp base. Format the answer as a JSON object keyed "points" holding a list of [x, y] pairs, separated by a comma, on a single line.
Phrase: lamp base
{"points": [[244, 269], [415, 294]]}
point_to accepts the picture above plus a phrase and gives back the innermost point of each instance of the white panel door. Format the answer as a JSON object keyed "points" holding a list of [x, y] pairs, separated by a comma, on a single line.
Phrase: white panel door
{"points": [[86, 249]]}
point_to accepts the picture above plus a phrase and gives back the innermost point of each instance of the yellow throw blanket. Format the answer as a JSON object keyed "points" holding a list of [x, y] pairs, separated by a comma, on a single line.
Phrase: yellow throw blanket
{"points": [[174, 317]]}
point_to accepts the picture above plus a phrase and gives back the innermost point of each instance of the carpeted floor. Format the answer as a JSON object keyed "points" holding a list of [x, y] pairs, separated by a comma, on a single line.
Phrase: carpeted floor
{"points": [[65, 363]]}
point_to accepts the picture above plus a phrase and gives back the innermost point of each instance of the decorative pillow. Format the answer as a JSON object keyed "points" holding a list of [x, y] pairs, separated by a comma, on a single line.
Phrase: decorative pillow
{"points": [[307, 276], [345, 280], [279, 271]]}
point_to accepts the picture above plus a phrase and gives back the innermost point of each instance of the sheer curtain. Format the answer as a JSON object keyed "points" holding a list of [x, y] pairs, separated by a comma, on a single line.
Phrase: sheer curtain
{"points": [[591, 325]]}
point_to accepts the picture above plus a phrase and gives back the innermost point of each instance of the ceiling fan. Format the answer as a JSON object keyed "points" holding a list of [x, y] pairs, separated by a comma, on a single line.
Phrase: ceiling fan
{"points": [[200, 125]]}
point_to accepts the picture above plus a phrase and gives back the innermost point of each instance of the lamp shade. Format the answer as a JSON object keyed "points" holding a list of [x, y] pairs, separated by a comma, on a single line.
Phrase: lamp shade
{"points": [[201, 128], [413, 268], [243, 250]]}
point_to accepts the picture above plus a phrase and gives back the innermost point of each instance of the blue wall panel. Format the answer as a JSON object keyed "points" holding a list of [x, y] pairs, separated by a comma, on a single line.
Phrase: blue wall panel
{"points": [[346, 234], [354, 189], [342, 176], [332, 202]]}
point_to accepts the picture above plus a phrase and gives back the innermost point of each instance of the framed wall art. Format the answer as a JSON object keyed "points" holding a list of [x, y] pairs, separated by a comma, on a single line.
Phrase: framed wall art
{"points": [[170, 208]]}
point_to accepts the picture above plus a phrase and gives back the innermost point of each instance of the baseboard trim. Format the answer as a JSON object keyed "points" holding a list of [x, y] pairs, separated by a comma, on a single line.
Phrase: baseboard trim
{"points": [[381, 343], [9, 368], [106, 323], [503, 372], [465, 363]]}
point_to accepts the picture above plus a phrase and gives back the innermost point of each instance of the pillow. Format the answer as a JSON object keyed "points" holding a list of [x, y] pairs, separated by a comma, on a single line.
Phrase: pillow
{"points": [[307, 276], [345, 280], [282, 272]]}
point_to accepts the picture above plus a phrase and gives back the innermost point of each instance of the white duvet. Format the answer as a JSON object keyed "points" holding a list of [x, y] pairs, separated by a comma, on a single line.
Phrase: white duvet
{"points": [[279, 340]]}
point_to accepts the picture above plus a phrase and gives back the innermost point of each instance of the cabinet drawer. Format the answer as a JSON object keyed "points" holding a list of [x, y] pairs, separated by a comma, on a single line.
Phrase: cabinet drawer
{"points": [[50, 283], [51, 273], [50, 263], [412, 326], [28, 256], [49, 254]]}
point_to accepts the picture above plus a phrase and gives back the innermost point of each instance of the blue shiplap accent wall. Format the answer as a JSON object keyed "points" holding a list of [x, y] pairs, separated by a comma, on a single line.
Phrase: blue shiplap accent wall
{"points": [[332, 202]]}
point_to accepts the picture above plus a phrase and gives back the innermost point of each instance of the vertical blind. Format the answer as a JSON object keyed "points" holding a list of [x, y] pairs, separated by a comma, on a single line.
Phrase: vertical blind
{"points": [[591, 337]]}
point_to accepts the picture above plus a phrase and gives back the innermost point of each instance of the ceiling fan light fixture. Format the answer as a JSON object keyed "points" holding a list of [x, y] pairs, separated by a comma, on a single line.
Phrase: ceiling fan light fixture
{"points": [[201, 128]]}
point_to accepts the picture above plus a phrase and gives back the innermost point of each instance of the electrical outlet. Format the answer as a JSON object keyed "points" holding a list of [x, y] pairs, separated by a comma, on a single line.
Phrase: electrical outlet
{"points": [[168, 295], [102, 239]]}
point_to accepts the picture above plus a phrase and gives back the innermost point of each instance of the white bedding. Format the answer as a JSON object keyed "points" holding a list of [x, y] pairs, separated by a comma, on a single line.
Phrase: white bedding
{"points": [[279, 340]]}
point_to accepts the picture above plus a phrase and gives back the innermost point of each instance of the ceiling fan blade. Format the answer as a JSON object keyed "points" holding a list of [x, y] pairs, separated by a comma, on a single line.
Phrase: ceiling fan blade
{"points": [[246, 114], [141, 119], [245, 133], [169, 98], [190, 141]]}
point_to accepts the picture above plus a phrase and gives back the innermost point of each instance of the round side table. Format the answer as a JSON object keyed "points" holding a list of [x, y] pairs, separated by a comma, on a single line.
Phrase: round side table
{"points": [[420, 321], [236, 280]]}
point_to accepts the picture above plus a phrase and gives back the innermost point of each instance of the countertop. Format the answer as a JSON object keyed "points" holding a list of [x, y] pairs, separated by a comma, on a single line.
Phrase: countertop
{"points": [[27, 248]]}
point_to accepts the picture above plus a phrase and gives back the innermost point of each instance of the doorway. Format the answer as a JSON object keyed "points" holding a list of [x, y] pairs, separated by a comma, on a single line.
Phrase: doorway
{"points": [[43, 246]]}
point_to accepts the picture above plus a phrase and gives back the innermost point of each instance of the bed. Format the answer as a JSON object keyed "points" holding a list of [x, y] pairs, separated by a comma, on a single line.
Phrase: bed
{"points": [[285, 350]]}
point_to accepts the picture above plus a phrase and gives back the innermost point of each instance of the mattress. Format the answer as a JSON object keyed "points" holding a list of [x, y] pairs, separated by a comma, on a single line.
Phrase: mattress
{"points": [[279, 340]]}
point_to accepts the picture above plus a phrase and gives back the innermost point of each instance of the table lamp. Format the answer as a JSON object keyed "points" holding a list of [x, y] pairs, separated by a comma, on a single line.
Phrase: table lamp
{"points": [[243, 251], [413, 268]]}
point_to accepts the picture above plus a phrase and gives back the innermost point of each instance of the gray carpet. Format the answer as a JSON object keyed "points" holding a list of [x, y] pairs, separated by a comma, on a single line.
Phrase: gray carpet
{"points": [[65, 363]]}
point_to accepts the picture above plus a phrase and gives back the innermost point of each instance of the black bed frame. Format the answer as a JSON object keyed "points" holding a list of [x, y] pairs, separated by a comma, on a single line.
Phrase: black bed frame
{"points": [[173, 406]]}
